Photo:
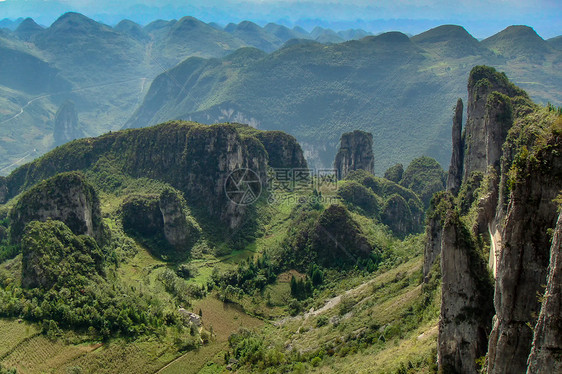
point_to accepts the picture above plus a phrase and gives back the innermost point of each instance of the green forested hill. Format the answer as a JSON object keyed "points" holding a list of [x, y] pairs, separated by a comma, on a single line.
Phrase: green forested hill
{"points": [[123, 254]]}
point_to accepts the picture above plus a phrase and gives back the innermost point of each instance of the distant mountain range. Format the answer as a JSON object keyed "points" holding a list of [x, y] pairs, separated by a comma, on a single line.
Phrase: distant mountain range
{"points": [[314, 85]]}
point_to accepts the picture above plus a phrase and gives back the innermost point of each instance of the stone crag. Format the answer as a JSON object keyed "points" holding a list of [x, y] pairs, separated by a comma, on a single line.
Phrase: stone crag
{"points": [[506, 169], [194, 159], [547, 343], [355, 153], [67, 197], [454, 179]]}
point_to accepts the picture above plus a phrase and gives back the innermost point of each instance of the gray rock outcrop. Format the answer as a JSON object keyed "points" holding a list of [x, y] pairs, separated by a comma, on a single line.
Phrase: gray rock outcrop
{"points": [[179, 229], [440, 205], [547, 343], [454, 179], [355, 153], [524, 258], [3, 190], [511, 176], [487, 121], [161, 217], [66, 197], [466, 298]]}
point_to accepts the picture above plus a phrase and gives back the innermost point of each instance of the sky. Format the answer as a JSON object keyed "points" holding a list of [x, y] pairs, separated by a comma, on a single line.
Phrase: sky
{"points": [[481, 18]]}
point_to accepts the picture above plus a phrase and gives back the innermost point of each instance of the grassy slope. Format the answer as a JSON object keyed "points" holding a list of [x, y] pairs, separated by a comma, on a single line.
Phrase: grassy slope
{"points": [[32, 352]]}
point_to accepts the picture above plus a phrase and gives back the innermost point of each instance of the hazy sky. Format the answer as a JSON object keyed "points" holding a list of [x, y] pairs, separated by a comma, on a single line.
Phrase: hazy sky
{"points": [[481, 18]]}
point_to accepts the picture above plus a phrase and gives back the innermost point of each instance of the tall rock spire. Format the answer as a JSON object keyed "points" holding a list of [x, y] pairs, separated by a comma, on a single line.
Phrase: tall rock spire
{"points": [[356, 152], [454, 179]]}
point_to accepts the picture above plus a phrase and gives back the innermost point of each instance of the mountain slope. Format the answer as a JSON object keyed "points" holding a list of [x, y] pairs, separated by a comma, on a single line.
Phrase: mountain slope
{"points": [[518, 42], [387, 84], [449, 40], [191, 37], [27, 29]]}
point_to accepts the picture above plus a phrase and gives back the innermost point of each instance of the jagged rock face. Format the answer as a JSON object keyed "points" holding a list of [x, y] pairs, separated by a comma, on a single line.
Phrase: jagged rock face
{"points": [[67, 127], [466, 296], [179, 231], [283, 149], [440, 205], [512, 173], [497, 121], [212, 153], [524, 258], [487, 123], [454, 179], [67, 197], [162, 217], [355, 153], [547, 343], [195, 159]]}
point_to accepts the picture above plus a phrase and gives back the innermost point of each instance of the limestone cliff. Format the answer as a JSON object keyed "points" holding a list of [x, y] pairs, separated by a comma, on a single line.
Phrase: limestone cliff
{"points": [[161, 218], [454, 179], [67, 127], [440, 205], [3, 190], [195, 159], [487, 123], [466, 296], [523, 259], [511, 167], [547, 344], [355, 153], [67, 197], [283, 149]]}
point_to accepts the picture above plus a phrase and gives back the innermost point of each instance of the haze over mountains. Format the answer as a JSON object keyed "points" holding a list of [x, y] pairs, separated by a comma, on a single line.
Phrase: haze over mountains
{"points": [[269, 77]]}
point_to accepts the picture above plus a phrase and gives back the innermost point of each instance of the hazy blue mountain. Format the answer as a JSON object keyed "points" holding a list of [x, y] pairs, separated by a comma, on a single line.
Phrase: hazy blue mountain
{"points": [[450, 41], [284, 33], [255, 36], [555, 42], [190, 37], [518, 42], [10, 24], [301, 87], [134, 30], [27, 29], [323, 35], [215, 25], [85, 49], [353, 34]]}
